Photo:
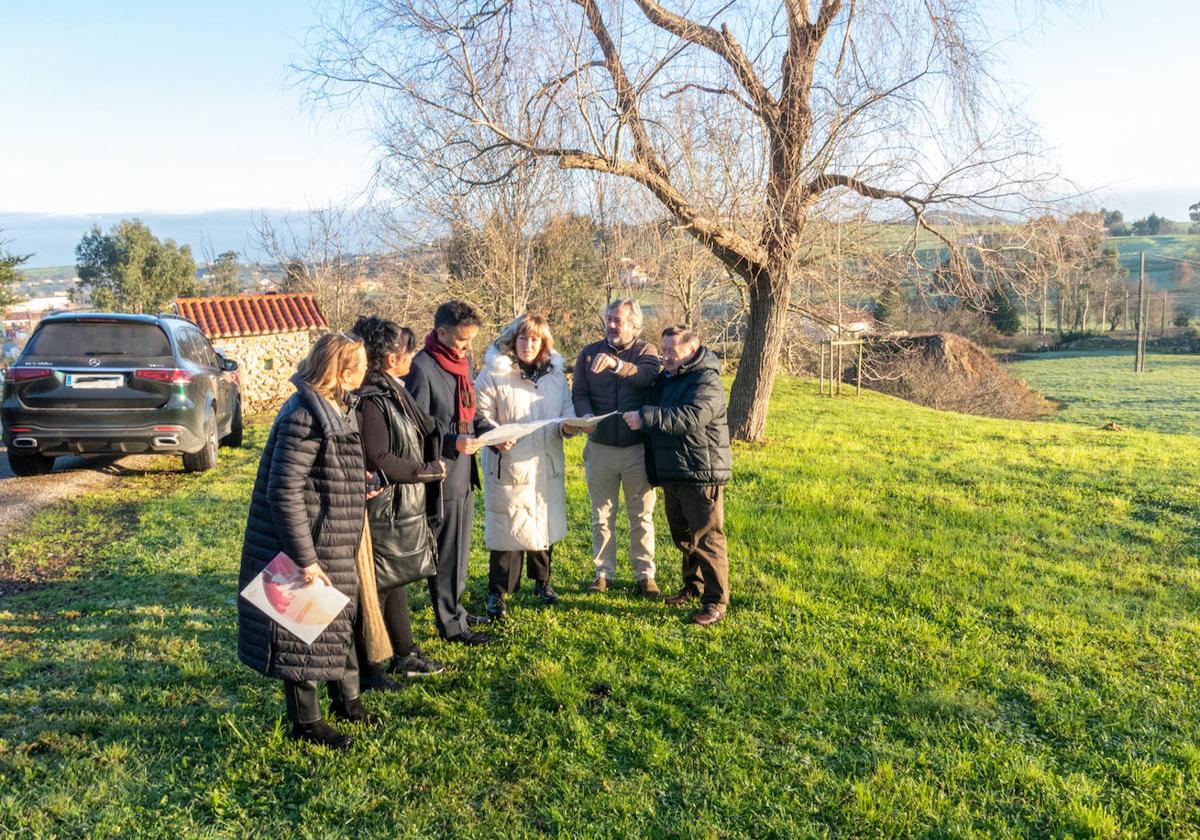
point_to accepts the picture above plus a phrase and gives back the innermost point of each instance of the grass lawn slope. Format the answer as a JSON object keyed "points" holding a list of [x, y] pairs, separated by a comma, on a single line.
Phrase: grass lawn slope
{"points": [[1098, 388], [942, 625]]}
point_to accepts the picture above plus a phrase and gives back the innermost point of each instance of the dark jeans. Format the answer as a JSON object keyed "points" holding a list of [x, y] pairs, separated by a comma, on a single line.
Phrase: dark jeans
{"points": [[504, 569], [454, 549], [696, 514], [303, 704]]}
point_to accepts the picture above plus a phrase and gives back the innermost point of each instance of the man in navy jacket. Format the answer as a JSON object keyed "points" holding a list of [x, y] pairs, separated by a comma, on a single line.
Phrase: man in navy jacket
{"points": [[443, 386]]}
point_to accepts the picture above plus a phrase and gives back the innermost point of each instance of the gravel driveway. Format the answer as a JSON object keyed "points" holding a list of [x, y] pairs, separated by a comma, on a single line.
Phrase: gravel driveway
{"points": [[21, 497]]}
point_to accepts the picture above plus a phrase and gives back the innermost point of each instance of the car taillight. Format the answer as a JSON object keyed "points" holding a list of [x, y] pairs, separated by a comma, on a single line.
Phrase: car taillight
{"points": [[21, 429], [171, 375], [25, 374]]}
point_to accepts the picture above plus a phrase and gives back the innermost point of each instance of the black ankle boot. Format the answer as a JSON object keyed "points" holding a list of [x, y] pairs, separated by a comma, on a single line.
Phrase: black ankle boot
{"points": [[545, 591], [322, 734], [353, 711], [375, 678]]}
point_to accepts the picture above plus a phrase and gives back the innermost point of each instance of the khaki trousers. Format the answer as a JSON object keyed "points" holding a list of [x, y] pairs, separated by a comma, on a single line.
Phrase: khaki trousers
{"points": [[610, 469]]}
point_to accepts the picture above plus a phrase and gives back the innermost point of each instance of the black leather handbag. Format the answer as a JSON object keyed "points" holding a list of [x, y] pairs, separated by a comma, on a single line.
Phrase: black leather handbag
{"points": [[404, 546]]}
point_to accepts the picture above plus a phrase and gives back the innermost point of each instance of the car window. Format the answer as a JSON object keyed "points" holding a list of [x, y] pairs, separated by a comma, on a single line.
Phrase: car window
{"points": [[206, 348], [191, 347], [108, 340], [199, 350]]}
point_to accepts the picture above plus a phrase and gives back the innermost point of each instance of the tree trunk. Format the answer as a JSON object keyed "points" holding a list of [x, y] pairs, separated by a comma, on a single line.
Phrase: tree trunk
{"points": [[1043, 310], [766, 327]]}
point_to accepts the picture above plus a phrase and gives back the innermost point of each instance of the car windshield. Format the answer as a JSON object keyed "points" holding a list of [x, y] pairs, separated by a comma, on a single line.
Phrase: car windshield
{"points": [[88, 339]]}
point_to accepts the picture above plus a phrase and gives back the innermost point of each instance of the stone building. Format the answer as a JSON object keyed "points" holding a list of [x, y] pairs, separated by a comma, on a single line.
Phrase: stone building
{"points": [[265, 334]]}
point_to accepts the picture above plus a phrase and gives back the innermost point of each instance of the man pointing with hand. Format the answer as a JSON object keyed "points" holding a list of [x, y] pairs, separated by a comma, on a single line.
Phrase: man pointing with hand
{"points": [[615, 374]]}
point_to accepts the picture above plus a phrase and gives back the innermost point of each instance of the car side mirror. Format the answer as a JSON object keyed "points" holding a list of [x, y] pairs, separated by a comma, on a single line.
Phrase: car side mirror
{"points": [[228, 365]]}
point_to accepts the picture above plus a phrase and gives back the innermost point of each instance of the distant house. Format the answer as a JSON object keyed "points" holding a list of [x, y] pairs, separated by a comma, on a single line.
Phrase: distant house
{"points": [[265, 334], [20, 319], [822, 321]]}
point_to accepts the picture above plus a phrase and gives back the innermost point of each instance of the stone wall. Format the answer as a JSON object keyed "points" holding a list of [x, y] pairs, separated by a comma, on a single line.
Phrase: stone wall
{"points": [[266, 364]]}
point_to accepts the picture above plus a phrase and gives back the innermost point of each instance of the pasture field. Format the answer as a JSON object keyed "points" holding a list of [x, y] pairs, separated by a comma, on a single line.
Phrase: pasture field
{"points": [[1175, 246], [1096, 388], [941, 626]]}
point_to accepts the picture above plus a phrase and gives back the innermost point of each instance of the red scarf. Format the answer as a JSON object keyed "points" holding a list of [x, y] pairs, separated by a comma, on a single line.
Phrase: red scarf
{"points": [[460, 368]]}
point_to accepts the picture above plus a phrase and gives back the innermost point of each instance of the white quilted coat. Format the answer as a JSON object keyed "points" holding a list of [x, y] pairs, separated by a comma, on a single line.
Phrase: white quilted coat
{"points": [[524, 496]]}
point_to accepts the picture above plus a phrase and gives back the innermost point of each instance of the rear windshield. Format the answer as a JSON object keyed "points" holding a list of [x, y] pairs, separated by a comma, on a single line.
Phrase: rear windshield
{"points": [[87, 339]]}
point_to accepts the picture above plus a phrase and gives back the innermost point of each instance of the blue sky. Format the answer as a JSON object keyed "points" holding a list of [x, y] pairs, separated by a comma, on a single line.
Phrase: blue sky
{"points": [[167, 106], [170, 106]]}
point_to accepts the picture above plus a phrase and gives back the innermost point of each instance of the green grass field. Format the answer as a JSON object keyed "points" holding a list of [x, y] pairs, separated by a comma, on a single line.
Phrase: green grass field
{"points": [[941, 626], [1177, 246], [1097, 388]]}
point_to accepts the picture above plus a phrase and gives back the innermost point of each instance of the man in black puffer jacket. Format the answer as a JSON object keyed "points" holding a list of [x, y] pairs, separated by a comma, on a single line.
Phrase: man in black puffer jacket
{"points": [[687, 454]]}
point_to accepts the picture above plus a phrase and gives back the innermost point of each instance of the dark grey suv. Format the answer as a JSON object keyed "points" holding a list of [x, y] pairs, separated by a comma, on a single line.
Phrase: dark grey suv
{"points": [[111, 383]]}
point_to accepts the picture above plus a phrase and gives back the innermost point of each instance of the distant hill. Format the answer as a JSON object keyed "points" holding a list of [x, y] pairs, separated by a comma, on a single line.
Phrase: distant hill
{"points": [[52, 238]]}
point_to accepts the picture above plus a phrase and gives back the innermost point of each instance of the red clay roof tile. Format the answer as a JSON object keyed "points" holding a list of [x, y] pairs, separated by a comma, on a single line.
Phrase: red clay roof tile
{"points": [[238, 315]]}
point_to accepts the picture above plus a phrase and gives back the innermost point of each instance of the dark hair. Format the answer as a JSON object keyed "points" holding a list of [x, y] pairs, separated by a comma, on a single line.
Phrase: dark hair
{"points": [[456, 313], [683, 334], [381, 336]]}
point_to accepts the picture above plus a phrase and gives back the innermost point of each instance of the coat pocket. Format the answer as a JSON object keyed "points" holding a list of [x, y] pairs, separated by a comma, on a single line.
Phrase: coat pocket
{"points": [[511, 472]]}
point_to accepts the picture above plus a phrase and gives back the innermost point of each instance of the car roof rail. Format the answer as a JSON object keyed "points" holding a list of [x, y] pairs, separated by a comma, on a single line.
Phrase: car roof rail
{"points": [[178, 317]]}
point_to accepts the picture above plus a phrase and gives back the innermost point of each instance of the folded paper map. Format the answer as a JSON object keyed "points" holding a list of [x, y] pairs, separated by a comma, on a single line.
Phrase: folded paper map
{"points": [[516, 431], [303, 610]]}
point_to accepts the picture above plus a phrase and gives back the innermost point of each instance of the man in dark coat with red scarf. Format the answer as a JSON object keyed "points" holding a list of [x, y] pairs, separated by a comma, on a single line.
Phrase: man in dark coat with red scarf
{"points": [[442, 385]]}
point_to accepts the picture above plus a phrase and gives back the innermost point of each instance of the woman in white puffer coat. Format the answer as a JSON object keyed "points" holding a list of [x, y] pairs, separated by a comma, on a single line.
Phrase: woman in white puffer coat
{"points": [[523, 381]]}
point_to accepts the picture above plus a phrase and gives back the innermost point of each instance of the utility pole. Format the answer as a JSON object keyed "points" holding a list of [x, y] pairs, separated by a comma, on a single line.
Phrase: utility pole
{"points": [[1139, 356], [1163, 330]]}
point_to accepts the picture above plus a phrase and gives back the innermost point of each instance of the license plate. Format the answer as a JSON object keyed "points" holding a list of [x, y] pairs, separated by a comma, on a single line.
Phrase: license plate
{"points": [[94, 381]]}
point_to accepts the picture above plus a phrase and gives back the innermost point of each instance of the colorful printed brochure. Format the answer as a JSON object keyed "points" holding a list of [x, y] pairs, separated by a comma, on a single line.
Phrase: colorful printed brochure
{"points": [[303, 610]]}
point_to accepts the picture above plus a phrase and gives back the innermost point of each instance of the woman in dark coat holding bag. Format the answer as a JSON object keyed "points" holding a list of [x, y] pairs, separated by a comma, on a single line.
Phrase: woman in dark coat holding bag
{"points": [[309, 502], [400, 444]]}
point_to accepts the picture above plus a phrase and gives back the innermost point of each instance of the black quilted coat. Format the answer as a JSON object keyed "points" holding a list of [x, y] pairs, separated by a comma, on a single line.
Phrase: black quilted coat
{"points": [[687, 435], [309, 500]]}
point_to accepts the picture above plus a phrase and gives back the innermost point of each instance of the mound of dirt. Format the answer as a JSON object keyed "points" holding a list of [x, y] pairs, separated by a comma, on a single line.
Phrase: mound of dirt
{"points": [[947, 372]]}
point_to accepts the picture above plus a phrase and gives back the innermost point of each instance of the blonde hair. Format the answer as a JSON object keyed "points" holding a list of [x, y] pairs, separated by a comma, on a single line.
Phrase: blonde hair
{"points": [[332, 354], [530, 325]]}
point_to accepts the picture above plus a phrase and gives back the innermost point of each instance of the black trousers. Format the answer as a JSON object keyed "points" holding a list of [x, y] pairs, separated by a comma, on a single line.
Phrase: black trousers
{"points": [[696, 514], [504, 569], [454, 550], [303, 704], [398, 623]]}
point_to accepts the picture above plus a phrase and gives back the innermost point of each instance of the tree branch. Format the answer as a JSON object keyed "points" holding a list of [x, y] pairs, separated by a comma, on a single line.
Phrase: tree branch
{"points": [[721, 43], [627, 107]]}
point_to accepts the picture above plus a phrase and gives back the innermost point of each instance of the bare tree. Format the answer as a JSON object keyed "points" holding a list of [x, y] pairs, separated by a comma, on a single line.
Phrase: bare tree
{"points": [[881, 101], [325, 253]]}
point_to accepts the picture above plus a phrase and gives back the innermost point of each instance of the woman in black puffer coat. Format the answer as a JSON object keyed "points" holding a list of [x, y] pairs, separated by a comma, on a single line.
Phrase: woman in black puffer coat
{"points": [[309, 501], [402, 444]]}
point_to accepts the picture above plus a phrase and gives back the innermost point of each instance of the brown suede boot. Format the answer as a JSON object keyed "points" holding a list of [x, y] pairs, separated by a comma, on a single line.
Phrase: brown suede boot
{"points": [[650, 589]]}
